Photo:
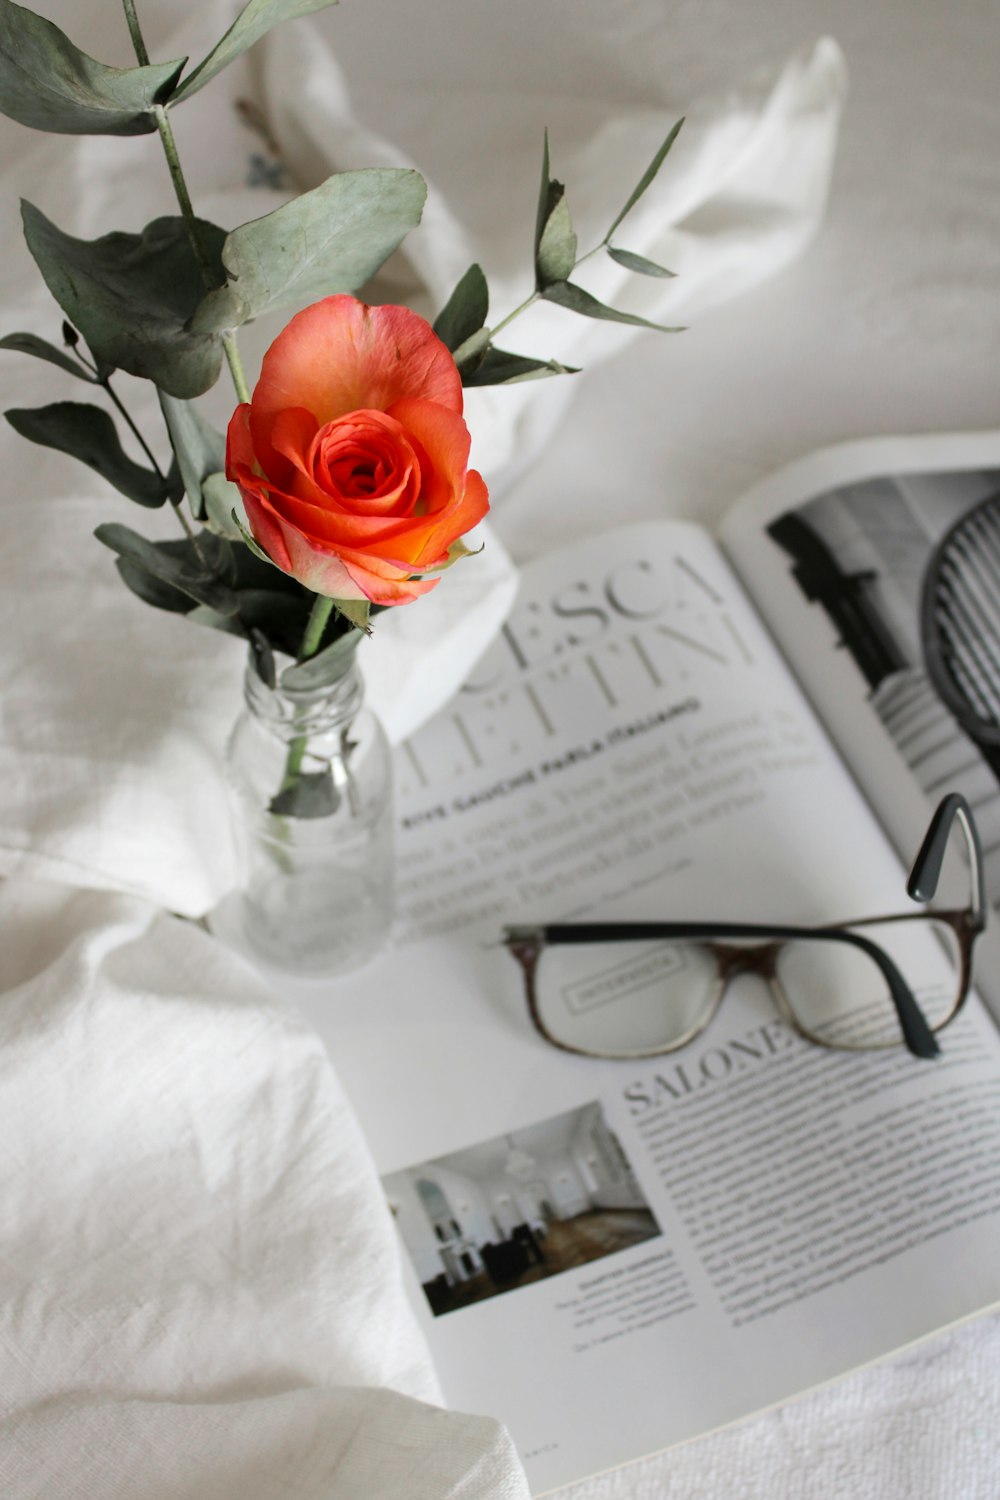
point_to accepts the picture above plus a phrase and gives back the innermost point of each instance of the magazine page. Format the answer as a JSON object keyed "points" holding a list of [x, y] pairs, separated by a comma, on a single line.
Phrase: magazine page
{"points": [[615, 1255], [876, 566]]}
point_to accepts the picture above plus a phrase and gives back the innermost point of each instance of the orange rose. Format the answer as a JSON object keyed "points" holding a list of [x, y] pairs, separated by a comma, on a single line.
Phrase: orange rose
{"points": [[351, 455]]}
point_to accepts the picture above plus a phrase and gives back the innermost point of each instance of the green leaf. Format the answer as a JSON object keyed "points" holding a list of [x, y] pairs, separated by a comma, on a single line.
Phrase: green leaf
{"points": [[326, 667], [470, 354], [249, 541], [198, 448], [132, 295], [263, 617], [501, 368], [49, 84], [542, 214], [633, 262], [312, 794], [466, 310], [176, 563], [255, 571], [556, 254], [646, 177], [152, 590], [221, 498], [250, 25], [332, 239], [88, 433], [555, 237], [279, 617], [566, 294], [263, 658], [357, 611], [29, 343]]}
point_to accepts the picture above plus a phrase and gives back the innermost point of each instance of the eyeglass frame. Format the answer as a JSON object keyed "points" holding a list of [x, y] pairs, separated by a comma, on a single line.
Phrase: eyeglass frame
{"points": [[527, 943]]}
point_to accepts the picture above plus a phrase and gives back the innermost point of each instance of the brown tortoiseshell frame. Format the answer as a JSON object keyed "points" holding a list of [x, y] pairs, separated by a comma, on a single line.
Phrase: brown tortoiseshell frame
{"points": [[527, 944]]}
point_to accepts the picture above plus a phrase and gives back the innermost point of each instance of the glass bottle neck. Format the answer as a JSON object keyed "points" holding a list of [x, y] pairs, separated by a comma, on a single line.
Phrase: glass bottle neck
{"points": [[288, 714]]}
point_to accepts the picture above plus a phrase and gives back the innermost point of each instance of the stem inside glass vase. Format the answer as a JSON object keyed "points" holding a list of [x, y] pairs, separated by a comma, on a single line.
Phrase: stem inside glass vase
{"points": [[311, 772]]}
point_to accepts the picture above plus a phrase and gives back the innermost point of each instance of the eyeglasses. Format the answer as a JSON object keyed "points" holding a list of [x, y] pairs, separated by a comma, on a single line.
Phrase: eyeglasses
{"points": [[640, 989]]}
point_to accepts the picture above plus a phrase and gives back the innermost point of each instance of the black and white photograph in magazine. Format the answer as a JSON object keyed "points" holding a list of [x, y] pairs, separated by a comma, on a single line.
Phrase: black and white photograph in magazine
{"points": [[508, 1212], [907, 569]]}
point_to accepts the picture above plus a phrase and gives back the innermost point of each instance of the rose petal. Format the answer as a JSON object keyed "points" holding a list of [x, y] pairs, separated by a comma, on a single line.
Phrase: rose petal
{"points": [[340, 356]]}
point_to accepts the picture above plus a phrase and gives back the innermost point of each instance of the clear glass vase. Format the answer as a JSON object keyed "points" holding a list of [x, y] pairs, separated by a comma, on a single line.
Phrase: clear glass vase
{"points": [[311, 778]]}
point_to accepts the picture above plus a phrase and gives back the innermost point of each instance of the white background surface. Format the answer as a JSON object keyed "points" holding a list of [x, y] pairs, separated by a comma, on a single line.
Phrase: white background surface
{"points": [[889, 324]]}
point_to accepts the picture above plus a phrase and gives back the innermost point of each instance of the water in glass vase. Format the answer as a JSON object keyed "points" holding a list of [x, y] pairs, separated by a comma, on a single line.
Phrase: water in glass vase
{"points": [[311, 775]]}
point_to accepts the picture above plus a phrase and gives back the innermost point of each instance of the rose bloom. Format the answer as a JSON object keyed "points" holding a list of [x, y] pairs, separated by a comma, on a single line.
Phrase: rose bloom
{"points": [[351, 455]]}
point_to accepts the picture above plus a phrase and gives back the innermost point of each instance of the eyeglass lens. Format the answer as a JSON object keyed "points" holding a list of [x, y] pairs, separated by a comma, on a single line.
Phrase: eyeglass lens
{"points": [[628, 999]]}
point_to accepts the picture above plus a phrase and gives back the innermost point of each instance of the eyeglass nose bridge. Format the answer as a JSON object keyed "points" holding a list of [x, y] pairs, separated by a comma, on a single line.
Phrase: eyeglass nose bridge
{"points": [[759, 960], [746, 958]]}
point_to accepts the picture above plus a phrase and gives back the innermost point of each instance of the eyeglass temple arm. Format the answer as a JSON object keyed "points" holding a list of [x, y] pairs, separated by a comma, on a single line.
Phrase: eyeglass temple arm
{"points": [[917, 1035], [926, 872]]}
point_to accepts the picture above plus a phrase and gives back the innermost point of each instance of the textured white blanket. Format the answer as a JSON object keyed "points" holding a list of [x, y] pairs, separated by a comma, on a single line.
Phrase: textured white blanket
{"points": [[198, 1285]]}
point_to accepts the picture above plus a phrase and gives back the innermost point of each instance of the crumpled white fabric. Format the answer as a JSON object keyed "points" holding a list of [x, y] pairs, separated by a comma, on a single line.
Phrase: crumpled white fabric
{"points": [[200, 1292], [113, 716], [740, 195]]}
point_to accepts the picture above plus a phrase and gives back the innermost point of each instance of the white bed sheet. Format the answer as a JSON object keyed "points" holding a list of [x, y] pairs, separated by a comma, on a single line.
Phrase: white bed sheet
{"points": [[891, 323]]}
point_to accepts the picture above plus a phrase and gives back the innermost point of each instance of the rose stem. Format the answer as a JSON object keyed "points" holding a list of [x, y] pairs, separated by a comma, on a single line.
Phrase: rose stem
{"points": [[316, 624], [311, 637]]}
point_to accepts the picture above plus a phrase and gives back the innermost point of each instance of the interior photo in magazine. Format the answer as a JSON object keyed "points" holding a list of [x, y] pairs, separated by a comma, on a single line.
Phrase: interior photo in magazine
{"points": [[907, 569], [511, 1211]]}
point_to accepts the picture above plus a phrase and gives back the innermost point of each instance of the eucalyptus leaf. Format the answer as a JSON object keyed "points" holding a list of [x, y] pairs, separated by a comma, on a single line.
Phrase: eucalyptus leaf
{"points": [[221, 499], [501, 368], [556, 253], [470, 354], [463, 315], [542, 213], [311, 794], [200, 614], [132, 295], [253, 570], [250, 25], [198, 448], [646, 177], [250, 541], [278, 616], [332, 239], [176, 564], [88, 433], [566, 294], [633, 262], [152, 590], [263, 658], [49, 84], [30, 343], [325, 668]]}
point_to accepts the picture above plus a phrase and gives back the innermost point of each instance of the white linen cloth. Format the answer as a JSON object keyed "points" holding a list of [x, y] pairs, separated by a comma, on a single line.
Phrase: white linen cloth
{"points": [[200, 1291], [200, 1295]]}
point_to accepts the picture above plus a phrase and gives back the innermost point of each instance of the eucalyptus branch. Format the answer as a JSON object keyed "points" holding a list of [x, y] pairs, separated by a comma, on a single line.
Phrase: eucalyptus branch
{"points": [[536, 295], [169, 144], [186, 526], [521, 307], [105, 381], [179, 181], [142, 56]]}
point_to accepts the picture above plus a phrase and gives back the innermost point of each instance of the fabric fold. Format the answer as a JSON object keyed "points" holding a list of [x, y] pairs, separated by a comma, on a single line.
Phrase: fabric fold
{"points": [[199, 1281]]}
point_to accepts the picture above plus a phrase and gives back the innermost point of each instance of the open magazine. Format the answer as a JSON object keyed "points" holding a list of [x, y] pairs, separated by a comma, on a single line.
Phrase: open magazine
{"points": [[615, 1256]]}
